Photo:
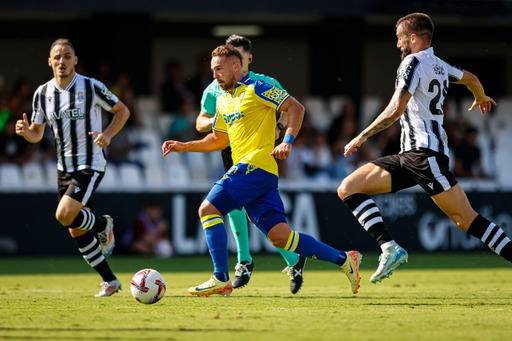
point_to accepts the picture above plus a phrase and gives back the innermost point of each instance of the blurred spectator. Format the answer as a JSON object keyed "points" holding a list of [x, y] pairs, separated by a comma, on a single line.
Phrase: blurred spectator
{"points": [[201, 79], [21, 99], [467, 155], [388, 140], [105, 73], [150, 233], [338, 127], [182, 126], [173, 92], [121, 147], [123, 89], [14, 149]]}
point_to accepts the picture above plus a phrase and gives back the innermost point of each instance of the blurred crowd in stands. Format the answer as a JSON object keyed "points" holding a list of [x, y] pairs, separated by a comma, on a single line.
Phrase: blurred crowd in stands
{"points": [[329, 124]]}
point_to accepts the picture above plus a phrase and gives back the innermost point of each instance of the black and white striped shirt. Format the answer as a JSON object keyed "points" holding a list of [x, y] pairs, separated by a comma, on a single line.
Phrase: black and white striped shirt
{"points": [[72, 113], [427, 78]]}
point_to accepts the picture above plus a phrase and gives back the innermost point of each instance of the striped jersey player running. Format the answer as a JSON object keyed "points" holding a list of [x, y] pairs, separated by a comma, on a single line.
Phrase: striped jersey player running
{"points": [[71, 105], [421, 86]]}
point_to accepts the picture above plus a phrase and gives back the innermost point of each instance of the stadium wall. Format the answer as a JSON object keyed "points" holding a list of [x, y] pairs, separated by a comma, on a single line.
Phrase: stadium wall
{"points": [[28, 226]]}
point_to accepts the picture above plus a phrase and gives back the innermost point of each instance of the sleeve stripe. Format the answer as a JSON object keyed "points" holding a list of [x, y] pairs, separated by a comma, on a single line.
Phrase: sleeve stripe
{"points": [[104, 98], [410, 75]]}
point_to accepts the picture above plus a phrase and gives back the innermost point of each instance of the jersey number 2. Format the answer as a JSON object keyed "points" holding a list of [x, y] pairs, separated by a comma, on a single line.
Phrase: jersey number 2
{"points": [[440, 94]]}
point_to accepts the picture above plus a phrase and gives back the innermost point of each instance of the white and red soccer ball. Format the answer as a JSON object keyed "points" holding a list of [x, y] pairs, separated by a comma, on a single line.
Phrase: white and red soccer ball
{"points": [[147, 286]]}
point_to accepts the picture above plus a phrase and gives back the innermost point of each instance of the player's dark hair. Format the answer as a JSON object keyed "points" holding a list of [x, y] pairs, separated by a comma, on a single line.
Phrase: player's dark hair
{"points": [[226, 51], [63, 41], [239, 41], [419, 23]]}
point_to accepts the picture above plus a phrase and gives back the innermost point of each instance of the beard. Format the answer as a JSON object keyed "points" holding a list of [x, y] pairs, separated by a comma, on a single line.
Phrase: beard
{"points": [[405, 52], [226, 85]]}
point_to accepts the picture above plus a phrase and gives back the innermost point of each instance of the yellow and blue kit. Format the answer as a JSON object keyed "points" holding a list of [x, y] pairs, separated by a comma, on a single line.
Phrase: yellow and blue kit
{"points": [[247, 115]]}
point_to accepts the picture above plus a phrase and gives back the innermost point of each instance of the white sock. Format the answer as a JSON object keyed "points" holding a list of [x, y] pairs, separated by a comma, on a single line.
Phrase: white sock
{"points": [[387, 246]]}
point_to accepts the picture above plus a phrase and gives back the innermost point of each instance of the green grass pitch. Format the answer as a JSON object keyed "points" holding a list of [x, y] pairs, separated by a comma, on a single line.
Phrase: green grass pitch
{"points": [[434, 297]]}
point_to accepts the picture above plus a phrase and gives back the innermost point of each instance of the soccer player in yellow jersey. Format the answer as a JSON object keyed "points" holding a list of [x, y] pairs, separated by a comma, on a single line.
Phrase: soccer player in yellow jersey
{"points": [[246, 119]]}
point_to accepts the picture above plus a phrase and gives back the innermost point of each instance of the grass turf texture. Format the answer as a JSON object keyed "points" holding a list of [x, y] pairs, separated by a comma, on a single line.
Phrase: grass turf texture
{"points": [[441, 296]]}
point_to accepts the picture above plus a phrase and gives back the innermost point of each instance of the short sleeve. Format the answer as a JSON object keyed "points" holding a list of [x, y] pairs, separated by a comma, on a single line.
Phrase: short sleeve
{"points": [[38, 106], [408, 75], [209, 100], [105, 98], [219, 124], [454, 73], [270, 95]]}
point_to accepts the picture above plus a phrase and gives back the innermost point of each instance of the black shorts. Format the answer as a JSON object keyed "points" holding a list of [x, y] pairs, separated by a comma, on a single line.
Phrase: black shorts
{"points": [[79, 185], [424, 167], [226, 158]]}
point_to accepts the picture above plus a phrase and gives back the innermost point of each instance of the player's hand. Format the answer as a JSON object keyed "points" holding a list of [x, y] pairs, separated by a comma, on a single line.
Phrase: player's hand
{"points": [[282, 151], [101, 139], [485, 104], [22, 126], [354, 145], [172, 146]]}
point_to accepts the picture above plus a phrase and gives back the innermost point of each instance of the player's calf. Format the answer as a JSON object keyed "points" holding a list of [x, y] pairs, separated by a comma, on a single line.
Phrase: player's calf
{"points": [[493, 236]]}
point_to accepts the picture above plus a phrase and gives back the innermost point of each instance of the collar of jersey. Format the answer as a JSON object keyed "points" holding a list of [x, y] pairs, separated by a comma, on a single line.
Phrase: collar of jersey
{"points": [[430, 50], [244, 80], [69, 85]]}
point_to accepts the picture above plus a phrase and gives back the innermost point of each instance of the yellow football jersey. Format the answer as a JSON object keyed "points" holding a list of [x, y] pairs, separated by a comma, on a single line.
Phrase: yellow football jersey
{"points": [[248, 116]]}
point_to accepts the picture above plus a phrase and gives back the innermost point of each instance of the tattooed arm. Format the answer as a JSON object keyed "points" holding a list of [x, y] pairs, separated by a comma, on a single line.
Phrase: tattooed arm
{"points": [[387, 117]]}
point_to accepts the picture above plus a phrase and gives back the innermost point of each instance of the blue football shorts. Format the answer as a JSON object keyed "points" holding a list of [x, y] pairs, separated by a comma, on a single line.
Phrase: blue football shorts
{"points": [[244, 185]]}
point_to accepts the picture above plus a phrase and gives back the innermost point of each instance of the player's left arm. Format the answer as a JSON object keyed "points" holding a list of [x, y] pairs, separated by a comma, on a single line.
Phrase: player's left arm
{"points": [[294, 112], [121, 114], [471, 81], [387, 117]]}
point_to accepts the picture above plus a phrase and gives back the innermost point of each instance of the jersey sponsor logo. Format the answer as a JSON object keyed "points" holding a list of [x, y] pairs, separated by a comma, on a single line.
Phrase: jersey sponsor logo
{"points": [[275, 94], [230, 119], [72, 114]]}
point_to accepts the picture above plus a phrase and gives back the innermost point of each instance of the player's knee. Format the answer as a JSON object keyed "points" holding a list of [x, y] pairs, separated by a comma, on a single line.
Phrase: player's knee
{"points": [[278, 241], [344, 189], [64, 217], [207, 208], [279, 235]]}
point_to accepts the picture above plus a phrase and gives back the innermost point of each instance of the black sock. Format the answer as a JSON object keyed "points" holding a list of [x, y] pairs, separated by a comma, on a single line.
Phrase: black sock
{"points": [[90, 249], [368, 214], [493, 236], [86, 220]]}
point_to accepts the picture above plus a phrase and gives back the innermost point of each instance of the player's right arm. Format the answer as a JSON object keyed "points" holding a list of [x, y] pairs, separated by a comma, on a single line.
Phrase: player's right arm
{"points": [[215, 140], [33, 133], [484, 102]]}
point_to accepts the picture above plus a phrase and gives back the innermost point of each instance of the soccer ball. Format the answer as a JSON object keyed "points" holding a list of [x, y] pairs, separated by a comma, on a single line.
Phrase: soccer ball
{"points": [[147, 286]]}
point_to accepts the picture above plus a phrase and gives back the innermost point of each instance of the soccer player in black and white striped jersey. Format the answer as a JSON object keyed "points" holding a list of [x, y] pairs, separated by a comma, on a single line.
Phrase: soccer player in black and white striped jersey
{"points": [[421, 86], [71, 105]]}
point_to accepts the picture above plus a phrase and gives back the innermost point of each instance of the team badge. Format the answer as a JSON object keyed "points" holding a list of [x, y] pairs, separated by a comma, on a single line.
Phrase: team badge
{"points": [[80, 96]]}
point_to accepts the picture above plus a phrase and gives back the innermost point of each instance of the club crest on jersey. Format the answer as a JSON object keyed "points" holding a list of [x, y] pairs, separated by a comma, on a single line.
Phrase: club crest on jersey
{"points": [[80, 96]]}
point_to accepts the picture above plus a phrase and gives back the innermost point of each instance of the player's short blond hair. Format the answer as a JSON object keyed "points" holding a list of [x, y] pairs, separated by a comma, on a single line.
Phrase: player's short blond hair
{"points": [[226, 51]]}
